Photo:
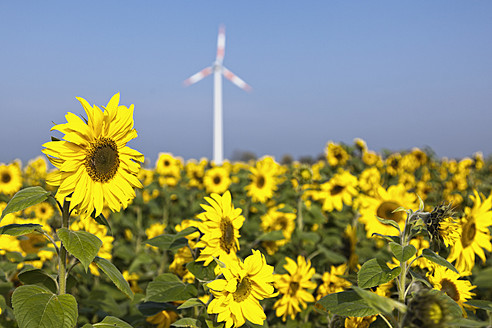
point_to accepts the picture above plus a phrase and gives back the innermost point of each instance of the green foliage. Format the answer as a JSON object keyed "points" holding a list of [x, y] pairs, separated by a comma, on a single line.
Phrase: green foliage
{"points": [[36, 307], [167, 287], [20, 229], [39, 277], [380, 303], [389, 222], [81, 244], [114, 274], [348, 303], [201, 272], [192, 302], [401, 253], [186, 322], [436, 258], [25, 198], [376, 272], [172, 241], [109, 322]]}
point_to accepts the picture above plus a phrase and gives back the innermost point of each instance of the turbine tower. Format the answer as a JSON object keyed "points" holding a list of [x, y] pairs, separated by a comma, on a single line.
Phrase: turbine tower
{"points": [[218, 69]]}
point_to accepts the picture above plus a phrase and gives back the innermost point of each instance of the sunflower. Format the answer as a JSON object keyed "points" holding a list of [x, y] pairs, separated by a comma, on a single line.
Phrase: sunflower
{"points": [[220, 224], [449, 282], [168, 168], [277, 219], [382, 205], [370, 180], [336, 154], [195, 172], [339, 190], [293, 287], [371, 158], [10, 178], [36, 171], [428, 309], [332, 282], [43, 211], [236, 297], [163, 319], [95, 167], [393, 166], [217, 180], [263, 182], [475, 234]]}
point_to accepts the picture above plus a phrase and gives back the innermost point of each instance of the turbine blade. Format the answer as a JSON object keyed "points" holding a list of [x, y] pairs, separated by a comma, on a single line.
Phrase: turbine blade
{"points": [[235, 79], [221, 44], [198, 76]]}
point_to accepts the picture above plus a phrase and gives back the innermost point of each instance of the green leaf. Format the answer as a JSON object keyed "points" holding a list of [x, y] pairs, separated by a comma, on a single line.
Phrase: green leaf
{"points": [[395, 239], [115, 275], [484, 278], [25, 198], [389, 222], [482, 304], [418, 277], [20, 229], [102, 220], [112, 322], [431, 256], [35, 307], [38, 276], [201, 272], [172, 241], [186, 322], [332, 256], [462, 322], [347, 303], [81, 244], [272, 236], [401, 253], [168, 287], [211, 324], [192, 302], [375, 272], [380, 303], [149, 309]]}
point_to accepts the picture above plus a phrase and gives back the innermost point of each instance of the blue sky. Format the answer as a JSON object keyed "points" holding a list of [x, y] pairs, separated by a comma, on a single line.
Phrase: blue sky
{"points": [[398, 74]]}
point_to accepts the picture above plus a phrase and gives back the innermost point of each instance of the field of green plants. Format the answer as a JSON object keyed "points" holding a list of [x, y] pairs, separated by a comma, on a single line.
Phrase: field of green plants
{"points": [[356, 239]]}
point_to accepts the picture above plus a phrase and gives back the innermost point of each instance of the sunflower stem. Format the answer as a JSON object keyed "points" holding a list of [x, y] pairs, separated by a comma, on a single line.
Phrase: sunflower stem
{"points": [[300, 222], [62, 266]]}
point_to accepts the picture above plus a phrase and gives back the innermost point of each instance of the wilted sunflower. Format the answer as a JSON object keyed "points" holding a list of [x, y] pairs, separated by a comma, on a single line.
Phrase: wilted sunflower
{"points": [[10, 178], [382, 205], [220, 224], [217, 180], [293, 287], [95, 167], [474, 232], [236, 297]]}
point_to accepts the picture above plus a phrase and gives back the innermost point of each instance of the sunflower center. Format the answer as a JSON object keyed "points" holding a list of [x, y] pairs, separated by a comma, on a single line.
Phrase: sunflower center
{"points": [[102, 160], [166, 163], [282, 222], [450, 289], [217, 179], [435, 313], [385, 211], [6, 177], [293, 287], [469, 232], [336, 189], [243, 289], [227, 238], [260, 182]]}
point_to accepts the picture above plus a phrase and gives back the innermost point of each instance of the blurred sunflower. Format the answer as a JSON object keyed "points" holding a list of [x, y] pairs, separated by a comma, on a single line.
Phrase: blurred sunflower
{"points": [[339, 190], [217, 180], [163, 319], [36, 171], [10, 178], [278, 220], [236, 297], [393, 166], [474, 232], [293, 287], [263, 182], [168, 168], [94, 164], [333, 282], [336, 154], [369, 180], [449, 282], [195, 171], [382, 205], [220, 224]]}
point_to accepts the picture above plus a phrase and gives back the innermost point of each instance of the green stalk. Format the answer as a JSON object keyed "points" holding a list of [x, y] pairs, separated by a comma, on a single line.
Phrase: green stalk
{"points": [[62, 265]]}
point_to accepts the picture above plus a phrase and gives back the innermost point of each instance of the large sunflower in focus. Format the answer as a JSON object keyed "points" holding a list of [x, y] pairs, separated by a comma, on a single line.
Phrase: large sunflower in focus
{"points": [[95, 167], [10, 178], [475, 234], [382, 205]]}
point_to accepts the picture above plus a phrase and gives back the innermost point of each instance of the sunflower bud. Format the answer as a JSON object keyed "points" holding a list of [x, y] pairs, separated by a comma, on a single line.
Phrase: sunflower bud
{"points": [[428, 308]]}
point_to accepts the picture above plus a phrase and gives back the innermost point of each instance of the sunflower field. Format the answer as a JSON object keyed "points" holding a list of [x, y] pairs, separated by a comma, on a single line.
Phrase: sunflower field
{"points": [[93, 235]]}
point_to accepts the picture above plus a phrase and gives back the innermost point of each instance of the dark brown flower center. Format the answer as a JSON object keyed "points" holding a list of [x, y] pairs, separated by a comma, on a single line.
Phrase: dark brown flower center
{"points": [[227, 238], [260, 182], [217, 179], [167, 163], [102, 160], [6, 177], [243, 289], [469, 232], [450, 289], [336, 189], [293, 287], [385, 211]]}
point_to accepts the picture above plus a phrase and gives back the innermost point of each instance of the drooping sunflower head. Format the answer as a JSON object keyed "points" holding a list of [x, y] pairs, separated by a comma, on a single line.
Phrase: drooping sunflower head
{"points": [[441, 225], [428, 309], [95, 167]]}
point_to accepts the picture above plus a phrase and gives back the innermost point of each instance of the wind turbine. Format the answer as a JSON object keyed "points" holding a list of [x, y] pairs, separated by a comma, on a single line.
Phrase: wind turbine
{"points": [[218, 69]]}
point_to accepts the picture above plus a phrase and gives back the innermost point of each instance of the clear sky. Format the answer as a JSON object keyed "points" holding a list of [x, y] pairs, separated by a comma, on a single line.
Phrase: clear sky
{"points": [[398, 74]]}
